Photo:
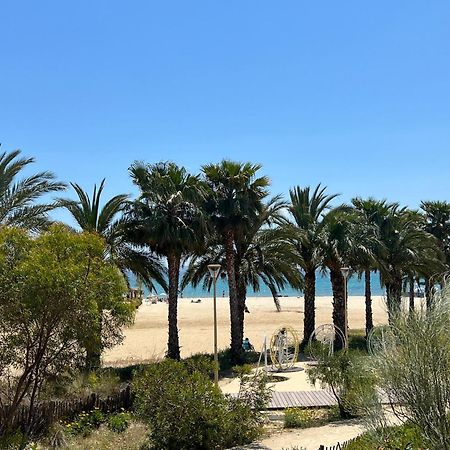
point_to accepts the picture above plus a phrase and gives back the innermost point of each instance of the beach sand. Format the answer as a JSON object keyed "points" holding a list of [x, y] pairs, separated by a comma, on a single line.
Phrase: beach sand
{"points": [[146, 339]]}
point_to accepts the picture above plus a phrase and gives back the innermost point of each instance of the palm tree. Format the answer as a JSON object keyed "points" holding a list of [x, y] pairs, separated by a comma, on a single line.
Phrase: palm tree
{"points": [[18, 197], [126, 255], [236, 198], [307, 209], [108, 222], [437, 223], [371, 214], [168, 217], [265, 255], [344, 241], [409, 249]]}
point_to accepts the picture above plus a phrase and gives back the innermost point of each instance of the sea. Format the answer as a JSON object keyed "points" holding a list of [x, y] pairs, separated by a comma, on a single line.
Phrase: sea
{"points": [[323, 288]]}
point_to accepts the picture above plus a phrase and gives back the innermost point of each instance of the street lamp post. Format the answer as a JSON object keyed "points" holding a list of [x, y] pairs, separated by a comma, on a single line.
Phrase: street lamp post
{"points": [[345, 271], [214, 270]]}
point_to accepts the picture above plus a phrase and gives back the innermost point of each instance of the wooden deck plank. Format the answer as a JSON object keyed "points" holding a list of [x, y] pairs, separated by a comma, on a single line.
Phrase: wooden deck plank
{"points": [[301, 399]]}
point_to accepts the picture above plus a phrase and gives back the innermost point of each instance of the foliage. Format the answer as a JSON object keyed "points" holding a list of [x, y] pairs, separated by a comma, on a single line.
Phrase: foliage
{"points": [[49, 294], [134, 437], [168, 217], [305, 418], [406, 436], [85, 422], [264, 255], [77, 384], [307, 209], [349, 378], [226, 360], [18, 198], [107, 221], [119, 422], [409, 250], [234, 203], [413, 368], [185, 410]]}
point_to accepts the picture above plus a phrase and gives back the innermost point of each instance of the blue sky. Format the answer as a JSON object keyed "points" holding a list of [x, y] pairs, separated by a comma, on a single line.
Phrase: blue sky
{"points": [[352, 94]]}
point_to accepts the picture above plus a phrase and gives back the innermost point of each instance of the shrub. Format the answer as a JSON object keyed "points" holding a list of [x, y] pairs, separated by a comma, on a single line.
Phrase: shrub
{"points": [[406, 436], [304, 418], [226, 360], [349, 377], [86, 422], [413, 369], [297, 418], [185, 410], [119, 422]]}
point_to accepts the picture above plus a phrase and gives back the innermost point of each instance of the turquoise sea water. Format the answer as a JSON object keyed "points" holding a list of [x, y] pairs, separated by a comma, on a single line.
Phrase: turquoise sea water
{"points": [[323, 288]]}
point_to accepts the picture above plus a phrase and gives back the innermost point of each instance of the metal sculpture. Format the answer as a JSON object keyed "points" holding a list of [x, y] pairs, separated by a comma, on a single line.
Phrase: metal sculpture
{"points": [[323, 340], [284, 346]]}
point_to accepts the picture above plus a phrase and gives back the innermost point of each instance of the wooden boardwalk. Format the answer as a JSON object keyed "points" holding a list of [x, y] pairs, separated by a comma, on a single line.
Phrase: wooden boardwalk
{"points": [[301, 399]]}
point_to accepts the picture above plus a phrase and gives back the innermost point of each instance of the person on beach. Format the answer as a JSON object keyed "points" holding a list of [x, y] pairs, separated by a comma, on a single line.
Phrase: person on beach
{"points": [[246, 345]]}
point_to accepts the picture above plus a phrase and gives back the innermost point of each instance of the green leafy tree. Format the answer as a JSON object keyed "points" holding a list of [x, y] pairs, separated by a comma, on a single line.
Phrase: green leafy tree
{"points": [[236, 198], [168, 217], [18, 197], [49, 293], [307, 209]]}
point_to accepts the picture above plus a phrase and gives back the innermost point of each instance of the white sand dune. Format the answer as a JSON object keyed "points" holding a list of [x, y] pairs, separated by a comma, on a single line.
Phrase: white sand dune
{"points": [[147, 338]]}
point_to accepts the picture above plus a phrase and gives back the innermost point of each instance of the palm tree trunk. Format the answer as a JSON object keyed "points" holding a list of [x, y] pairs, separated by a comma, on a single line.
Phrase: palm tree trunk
{"points": [[173, 344], [242, 297], [411, 294], [309, 319], [236, 332], [368, 295], [338, 286], [276, 300], [394, 297]]}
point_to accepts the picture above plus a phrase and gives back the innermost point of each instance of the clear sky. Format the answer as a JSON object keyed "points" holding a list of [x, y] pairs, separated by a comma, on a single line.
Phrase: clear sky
{"points": [[353, 94]]}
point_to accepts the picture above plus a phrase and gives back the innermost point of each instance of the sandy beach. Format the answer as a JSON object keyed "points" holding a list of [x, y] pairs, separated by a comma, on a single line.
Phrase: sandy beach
{"points": [[147, 338]]}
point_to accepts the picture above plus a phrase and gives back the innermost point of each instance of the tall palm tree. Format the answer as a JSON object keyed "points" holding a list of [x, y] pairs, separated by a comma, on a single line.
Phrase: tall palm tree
{"points": [[108, 221], [437, 223], [128, 256], [409, 249], [307, 209], [18, 198], [168, 217], [265, 255], [344, 240], [371, 214], [236, 198]]}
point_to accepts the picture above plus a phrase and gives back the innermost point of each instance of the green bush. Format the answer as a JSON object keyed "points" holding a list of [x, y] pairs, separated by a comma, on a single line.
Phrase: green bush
{"points": [[305, 418], [406, 436], [297, 418], [349, 378], [86, 422], [119, 422], [226, 361], [186, 411]]}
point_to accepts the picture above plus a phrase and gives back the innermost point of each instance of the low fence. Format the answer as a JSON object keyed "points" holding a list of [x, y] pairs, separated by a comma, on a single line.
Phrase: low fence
{"points": [[338, 446], [44, 414]]}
